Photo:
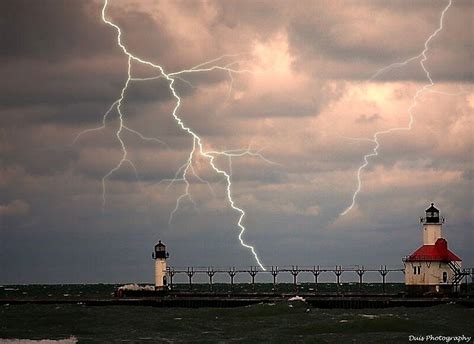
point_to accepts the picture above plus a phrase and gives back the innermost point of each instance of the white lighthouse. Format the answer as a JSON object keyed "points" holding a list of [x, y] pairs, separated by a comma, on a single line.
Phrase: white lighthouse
{"points": [[160, 255], [432, 225], [432, 268]]}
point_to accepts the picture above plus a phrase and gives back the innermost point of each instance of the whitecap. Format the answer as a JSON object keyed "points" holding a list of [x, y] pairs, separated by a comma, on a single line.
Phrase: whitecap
{"points": [[136, 287], [369, 316], [297, 298]]}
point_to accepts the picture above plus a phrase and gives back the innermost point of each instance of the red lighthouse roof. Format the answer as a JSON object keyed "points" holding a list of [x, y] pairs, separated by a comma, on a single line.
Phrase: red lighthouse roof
{"points": [[437, 252]]}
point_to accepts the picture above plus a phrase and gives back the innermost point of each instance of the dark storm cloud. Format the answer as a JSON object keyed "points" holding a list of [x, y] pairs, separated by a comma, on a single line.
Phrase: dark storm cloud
{"points": [[351, 40], [273, 105], [60, 85], [66, 48], [379, 37], [419, 5], [57, 63], [53, 30], [143, 36], [267, 15], [61, 70]]}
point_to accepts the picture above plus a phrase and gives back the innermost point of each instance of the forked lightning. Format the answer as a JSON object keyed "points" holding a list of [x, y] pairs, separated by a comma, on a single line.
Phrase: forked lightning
{"points": [[197, 142], [375, 139]]}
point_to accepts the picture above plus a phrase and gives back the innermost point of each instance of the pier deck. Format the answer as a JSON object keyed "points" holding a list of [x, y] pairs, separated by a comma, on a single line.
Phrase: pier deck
{"points": [[194, 300]]}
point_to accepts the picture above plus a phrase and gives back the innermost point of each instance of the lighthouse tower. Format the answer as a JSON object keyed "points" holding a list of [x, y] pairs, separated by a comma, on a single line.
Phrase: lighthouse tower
{"points": [[432, 268], [432, 225], [160, 255]]}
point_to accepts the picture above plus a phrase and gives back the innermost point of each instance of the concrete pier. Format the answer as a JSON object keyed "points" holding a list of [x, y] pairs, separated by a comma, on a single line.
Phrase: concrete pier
{"points": [[194, 300]]}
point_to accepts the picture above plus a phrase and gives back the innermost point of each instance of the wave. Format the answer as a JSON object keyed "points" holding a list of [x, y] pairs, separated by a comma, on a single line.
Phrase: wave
{"points": [[70, 340]]}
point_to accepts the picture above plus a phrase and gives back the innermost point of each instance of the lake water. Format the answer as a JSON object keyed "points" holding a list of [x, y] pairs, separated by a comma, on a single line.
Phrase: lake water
{"points": [[285, 322]]}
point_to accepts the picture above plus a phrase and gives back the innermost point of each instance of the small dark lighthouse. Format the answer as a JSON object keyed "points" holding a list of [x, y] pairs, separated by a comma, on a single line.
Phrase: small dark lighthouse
{"points": [[160, 255]]}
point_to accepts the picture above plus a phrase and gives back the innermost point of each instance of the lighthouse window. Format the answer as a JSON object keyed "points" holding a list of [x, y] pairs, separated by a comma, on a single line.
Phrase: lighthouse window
{"points": [[419, 269], [414, 270]]}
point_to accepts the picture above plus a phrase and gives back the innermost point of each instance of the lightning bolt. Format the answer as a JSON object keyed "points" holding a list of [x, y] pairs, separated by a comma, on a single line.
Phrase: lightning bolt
{"points": [[426, 88], [197, 142]]}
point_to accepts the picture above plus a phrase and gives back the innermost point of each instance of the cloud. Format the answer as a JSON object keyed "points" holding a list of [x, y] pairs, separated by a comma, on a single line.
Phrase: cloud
{"points": [[303, 102], [14, 208], [33, 31], [327, 40], [367, 118]]}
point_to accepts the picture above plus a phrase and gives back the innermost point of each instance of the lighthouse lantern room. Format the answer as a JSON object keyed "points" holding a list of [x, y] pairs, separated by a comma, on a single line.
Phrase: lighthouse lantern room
{"points": [[433, 267], [432, 224], [160, 255]]}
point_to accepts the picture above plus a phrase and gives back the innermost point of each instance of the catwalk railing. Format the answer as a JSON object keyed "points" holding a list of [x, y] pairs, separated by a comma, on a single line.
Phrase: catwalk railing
{"points": [[294, 271], [275, 271]]}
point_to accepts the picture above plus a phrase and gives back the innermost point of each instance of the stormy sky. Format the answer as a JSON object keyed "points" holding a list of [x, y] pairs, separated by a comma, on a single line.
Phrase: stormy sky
{"points": [[306, 96]]}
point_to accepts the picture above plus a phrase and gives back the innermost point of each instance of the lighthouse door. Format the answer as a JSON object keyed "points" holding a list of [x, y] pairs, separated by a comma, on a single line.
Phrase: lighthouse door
{"points": [[445, 277]]}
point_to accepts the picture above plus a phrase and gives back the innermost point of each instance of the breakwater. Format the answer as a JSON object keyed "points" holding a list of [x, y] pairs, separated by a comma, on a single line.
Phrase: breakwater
{"points": [[327, 295], [196, 301]]}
